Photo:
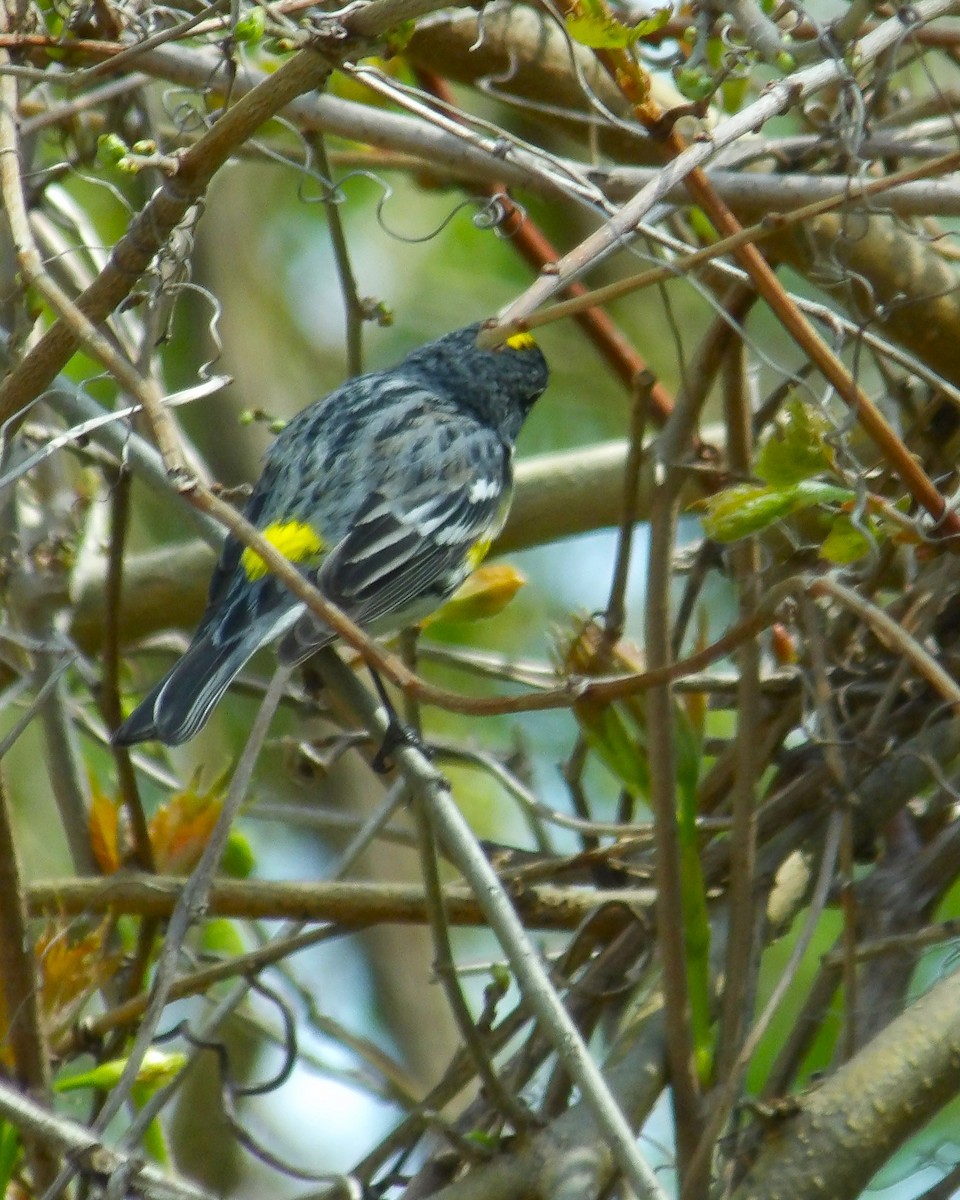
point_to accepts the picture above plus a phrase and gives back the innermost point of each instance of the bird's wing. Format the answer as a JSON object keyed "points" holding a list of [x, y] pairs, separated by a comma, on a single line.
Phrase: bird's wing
{"points": [[417, 535]]}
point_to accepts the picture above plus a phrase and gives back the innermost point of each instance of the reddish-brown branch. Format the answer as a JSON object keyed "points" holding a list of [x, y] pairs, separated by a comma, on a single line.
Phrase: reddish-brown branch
{"points": [[538, 252], [629, 76]]}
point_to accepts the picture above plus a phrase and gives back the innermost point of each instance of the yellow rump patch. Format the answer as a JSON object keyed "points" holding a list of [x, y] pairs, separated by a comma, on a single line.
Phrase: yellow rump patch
{"points": [[521, 341], [478, 552], [294, 539]]}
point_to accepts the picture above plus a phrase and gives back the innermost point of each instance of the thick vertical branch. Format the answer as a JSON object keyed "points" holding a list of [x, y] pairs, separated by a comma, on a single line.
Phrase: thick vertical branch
{"points": [[21, 991]]}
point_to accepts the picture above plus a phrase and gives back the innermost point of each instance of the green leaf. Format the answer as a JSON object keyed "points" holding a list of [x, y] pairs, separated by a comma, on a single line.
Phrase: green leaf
{"points": [[250, 27], [111, 149], [798, 449], [620, 751], [238, 859], [693, 83], [701, 225], [689, 753], [599, 32], [398, 38], [479, 1137], [740, 511], [697, 941], [592, 24], [737, 512], [696, 922], [222, 938], [153, 1141], [157, 1069], [654, 23], [811, 492], [9, 1154], [734, 93], [845, 543]]}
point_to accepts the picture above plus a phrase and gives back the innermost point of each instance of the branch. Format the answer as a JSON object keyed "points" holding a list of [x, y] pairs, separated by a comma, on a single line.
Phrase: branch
{"points": [[20, 989], [348, 905], [848, 1127], [779, 98], [306, 70], [95, 1160], [431, 788]]}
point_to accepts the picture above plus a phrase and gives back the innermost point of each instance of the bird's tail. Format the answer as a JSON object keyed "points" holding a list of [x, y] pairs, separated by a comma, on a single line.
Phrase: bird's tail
{"points": [[180, 704]]}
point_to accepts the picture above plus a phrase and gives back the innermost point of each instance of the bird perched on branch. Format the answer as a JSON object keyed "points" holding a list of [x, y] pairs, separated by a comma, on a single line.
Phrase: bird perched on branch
{"points": [[386, 495]]}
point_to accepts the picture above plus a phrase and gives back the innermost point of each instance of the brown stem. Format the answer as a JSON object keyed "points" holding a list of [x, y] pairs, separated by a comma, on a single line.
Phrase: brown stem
{"points": [[20, 991]]}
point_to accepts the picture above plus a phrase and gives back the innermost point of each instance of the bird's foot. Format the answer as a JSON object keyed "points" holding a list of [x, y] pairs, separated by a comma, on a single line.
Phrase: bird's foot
{"points": [[396, 737]]}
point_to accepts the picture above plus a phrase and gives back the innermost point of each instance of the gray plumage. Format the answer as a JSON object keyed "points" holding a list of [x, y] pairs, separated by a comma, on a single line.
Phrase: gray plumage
{"points": [[400, 474]]}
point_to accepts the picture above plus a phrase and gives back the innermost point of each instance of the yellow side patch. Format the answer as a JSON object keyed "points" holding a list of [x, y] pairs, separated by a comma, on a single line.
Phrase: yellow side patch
{"points": [[478, 552], [521, 341], [294, 539]]}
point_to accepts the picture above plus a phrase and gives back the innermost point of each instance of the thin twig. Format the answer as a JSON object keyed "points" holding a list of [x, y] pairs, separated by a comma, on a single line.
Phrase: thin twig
{"points": [[445, 966], [347, 904], [354, 309], [894, 635], [616, 604], [94, 1160], [725, 1100], [189, 904], [109, 694], [741, 951]]}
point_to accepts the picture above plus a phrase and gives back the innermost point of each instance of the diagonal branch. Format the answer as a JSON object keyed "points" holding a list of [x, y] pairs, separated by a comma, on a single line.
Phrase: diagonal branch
{"points": [[306, 70], [95, 1160], [885, 1093]]}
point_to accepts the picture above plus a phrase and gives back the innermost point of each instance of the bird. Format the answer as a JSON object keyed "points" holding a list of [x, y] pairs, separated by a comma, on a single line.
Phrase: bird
{"points": [[385, 494]]}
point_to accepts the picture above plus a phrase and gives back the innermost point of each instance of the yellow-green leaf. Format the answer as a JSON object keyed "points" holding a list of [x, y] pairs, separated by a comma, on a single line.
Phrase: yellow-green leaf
{"points": [[734, 93], [694, 83], [740, 511], [158, 1068], [484, 594], [798, 448], [250, 27], [592, 24], [845, 543], [222, 938], [620, 751], [238, 857]]}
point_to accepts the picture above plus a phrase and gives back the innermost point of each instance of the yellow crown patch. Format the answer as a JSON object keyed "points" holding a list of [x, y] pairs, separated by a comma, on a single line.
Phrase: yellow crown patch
{"points": [[521, 341]]}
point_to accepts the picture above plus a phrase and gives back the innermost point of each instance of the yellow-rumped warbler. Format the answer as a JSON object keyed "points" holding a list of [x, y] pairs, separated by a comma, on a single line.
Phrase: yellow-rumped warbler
{"points": [[386, 494]]}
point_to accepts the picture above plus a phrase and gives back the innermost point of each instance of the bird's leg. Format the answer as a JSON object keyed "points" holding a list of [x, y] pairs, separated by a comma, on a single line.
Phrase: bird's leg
{"points": [[397, 733]]}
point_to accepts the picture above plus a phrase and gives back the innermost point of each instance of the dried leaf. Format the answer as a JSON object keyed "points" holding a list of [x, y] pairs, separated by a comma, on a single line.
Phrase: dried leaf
{"points": [[71, 967], [105, 831], [485, 593], [181, 827]]}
